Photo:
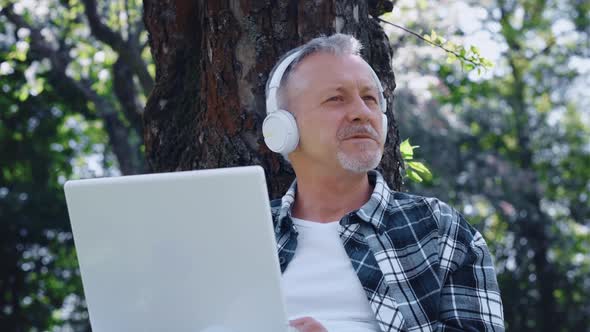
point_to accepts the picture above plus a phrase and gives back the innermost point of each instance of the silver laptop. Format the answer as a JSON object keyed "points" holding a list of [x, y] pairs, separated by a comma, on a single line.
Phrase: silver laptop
{"points": [[184, 251]]}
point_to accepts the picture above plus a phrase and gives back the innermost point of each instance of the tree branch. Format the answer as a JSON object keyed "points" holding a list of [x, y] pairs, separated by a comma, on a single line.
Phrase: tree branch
{"points": [[81, 91], [129, 26], [124, 89], [429, 42], [100, 30], [129, 50], [59, 61]]}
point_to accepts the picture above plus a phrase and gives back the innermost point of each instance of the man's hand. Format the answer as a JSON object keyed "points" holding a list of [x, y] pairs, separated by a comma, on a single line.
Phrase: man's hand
{"points": [[307, 324]]}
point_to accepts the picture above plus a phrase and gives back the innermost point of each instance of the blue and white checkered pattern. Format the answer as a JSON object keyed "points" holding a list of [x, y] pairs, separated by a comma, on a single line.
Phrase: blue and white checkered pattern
{"points": [[423, 267]]}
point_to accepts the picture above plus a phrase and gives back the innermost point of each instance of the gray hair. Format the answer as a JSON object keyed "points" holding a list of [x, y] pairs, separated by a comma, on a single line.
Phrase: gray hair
{"points": [[337, 44]]}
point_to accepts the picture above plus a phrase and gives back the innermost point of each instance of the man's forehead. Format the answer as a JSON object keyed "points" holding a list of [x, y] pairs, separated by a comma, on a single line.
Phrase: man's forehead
{"points": [[327, 70]]}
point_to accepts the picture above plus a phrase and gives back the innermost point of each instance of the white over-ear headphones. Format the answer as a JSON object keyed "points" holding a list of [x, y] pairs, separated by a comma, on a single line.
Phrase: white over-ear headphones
{"points": [[279, 127]]}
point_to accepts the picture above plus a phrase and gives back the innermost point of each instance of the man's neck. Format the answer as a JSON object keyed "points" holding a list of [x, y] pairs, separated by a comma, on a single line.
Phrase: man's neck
{"points": [[327, 198]]}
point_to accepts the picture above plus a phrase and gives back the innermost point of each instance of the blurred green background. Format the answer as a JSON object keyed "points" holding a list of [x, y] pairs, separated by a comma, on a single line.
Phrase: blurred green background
{"points": [[508, 145]]}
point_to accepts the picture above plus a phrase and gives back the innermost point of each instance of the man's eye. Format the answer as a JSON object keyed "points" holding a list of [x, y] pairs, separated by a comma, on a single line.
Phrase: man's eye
{"points": [[335, 98], [370, 98]]}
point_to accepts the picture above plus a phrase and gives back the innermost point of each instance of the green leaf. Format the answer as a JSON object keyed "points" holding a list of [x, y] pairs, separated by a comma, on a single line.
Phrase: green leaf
{"points": [[23, 94], [451, 58], [487, 63], [433, 35], [413, 176], [407, 150], [421, 169], [422, 4], [418, 167]]}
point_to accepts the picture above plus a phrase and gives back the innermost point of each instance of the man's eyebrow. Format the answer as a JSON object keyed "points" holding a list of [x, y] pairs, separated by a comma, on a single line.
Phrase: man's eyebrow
{"points": [[371, 87], [342, 88], [330, 88]]}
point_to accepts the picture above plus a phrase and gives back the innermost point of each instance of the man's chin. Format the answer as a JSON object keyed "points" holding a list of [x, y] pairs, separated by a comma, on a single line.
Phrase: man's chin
{"points": [[359, 163]]}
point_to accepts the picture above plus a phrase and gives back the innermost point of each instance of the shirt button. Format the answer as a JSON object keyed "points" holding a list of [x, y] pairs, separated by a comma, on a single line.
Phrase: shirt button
{"points": [[282, 260]]}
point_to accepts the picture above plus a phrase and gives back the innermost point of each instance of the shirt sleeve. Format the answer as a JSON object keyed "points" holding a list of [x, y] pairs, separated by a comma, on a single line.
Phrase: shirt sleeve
{"points": [[470, 296]]}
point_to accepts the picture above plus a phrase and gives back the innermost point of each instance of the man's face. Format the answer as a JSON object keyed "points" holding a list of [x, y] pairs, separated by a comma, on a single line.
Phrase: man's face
{"points": [[336, 103]]}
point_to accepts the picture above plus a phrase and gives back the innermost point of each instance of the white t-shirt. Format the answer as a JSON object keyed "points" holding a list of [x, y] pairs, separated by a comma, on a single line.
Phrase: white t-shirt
{"points": [[320, 282]]}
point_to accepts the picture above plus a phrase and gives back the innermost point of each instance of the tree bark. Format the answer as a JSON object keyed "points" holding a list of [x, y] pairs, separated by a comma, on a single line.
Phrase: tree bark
{"points": [[212, 62]]}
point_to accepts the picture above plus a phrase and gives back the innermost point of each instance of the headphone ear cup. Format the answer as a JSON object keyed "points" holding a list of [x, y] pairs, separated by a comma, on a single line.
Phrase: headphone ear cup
{"points": [[384, 125], [280, 132]]}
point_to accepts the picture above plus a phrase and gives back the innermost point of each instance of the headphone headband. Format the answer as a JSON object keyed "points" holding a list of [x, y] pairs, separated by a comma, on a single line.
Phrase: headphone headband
{"points": [[272, 103]]}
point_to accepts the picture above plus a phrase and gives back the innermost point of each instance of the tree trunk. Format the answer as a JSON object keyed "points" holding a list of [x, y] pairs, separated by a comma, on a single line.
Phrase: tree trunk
{"points": [[212, 62]]}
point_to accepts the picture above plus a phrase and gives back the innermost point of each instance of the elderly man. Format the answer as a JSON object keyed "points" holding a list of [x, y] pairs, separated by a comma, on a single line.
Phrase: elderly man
{"points": [[356, 255]]}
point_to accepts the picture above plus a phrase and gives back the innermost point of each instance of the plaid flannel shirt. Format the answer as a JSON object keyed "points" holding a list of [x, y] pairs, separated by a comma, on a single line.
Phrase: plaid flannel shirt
{"points": [[423, 267]]}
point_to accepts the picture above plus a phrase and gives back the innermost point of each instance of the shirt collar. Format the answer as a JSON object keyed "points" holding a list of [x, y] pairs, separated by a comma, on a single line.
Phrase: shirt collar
{"points": [[371, 212], [374, 209]]}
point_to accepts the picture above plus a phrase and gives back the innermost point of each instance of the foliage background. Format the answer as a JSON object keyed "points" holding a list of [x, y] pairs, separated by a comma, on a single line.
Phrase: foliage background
{"points": [[509, 146]]}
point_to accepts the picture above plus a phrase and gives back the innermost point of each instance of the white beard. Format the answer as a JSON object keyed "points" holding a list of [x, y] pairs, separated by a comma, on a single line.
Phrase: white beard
{"points": [[365, 160], [363, 163]]}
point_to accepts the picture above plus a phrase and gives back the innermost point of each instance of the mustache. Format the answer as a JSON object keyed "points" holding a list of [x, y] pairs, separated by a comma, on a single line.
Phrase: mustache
{"points": [[354, 130]]}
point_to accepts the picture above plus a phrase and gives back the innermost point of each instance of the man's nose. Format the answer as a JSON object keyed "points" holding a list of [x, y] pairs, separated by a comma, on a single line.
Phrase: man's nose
{"points": [[359, 111]]}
